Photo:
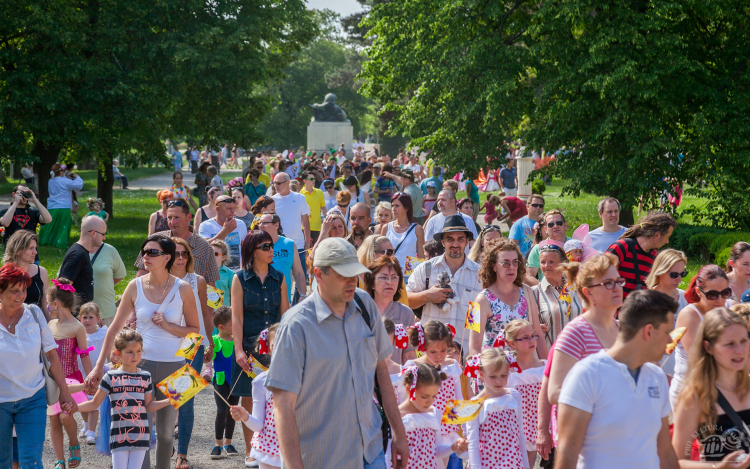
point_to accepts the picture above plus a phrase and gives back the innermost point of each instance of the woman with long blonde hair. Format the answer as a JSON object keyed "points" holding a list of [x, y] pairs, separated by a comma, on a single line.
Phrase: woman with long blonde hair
{"points": [[667, 273], [489, 234], [718, 360]]}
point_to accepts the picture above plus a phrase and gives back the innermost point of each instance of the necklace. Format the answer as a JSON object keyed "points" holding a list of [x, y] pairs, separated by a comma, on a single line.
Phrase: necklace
{"points": [[148, 282], [725, 388], [12, 324]]}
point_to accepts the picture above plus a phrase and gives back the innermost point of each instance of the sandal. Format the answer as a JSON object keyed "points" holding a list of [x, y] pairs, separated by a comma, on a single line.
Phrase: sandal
{"points": [[60, 464], [74, 461], [185, 463]]}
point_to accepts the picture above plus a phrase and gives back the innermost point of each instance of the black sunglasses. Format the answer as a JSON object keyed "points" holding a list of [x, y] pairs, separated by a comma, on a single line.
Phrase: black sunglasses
{"points": [[550, 247], [265, 247], [387, 252], [553, 223], [682, 274], [182, 255], [537, 205], [490, 227], [712, 295], [225, 200], [152, 253], [176, 203]]}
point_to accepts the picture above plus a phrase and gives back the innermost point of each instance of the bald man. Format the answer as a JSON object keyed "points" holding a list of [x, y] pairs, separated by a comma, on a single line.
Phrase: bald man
{"points": [[446, 204], [359, 214], [76, 266]]}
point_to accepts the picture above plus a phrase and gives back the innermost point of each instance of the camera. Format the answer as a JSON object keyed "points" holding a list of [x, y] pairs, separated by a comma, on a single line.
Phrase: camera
{"points": [[27, 194]]}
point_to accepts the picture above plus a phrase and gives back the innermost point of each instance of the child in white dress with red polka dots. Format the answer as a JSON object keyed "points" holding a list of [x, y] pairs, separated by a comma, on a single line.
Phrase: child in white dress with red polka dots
{"points": [[421, 420], [264, 445], [394, 369], [520, 338], [496, 437], [433, 339]]}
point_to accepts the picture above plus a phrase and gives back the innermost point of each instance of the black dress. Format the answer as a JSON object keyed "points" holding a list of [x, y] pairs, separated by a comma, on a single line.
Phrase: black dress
{"points": [[726, 438], [36, 289]]}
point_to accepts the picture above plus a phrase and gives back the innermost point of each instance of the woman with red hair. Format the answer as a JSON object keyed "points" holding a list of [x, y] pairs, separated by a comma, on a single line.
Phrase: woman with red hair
{"points": [[24, 336], [709, 289], [158, 220]]}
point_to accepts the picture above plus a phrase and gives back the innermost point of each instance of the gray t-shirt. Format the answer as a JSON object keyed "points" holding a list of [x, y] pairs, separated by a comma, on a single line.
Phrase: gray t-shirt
{"points": [[399, 313]]}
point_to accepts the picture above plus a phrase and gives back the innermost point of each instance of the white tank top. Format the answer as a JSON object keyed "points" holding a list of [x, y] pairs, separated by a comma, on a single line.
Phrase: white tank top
{"points": [[158, 344], [681, 356], [192, 280], [408, 247]]}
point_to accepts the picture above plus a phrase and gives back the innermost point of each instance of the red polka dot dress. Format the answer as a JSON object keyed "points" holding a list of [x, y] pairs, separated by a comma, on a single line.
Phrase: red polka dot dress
{"points": [[450, 389], [265, 445], [496, 438], [528, 384], [423, 435]]}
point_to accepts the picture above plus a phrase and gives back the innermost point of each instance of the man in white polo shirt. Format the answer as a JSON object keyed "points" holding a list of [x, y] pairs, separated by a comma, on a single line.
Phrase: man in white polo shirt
{"points": [[614, 406]]}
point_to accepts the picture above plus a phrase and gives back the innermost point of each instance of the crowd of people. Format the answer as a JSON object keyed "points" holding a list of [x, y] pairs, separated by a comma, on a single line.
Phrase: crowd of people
{"points": [[372, 298]]}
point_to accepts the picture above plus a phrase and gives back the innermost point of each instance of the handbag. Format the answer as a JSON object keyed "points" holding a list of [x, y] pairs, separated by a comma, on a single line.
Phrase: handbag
{"points": [[50, 385]]}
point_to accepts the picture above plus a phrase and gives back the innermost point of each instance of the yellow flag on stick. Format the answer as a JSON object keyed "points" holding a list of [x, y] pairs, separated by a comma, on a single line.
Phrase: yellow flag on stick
{"points": [[215, 297], [458, 412], [411, 264], [676, 336], [182, 385], [256, 367], [472, 317], [189, 346]]}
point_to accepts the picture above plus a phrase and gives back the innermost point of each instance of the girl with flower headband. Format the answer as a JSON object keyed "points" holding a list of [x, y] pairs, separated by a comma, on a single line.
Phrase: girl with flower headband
{"points": [[496, 437], [527, 380], [433, 339], [180, 190], [265, 445], [70, 336], [96, 208], [422, 383]]}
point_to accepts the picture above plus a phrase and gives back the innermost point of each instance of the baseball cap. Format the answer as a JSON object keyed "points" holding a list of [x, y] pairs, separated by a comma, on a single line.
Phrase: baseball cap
{"points": [[340, 255], [431, 184]]}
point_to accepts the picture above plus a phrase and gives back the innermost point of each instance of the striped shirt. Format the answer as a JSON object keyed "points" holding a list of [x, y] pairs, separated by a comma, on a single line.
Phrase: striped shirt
{"points": [[129, 427], [628, 251], [329, 363], [553, 311], [204, 261], [578, 339]]}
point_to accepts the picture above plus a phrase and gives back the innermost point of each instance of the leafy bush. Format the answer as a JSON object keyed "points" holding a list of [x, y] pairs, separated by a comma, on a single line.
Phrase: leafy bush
{"points": [[680, 239], [705, 243], [728, 240], [538, 187], [723, 256], [700, 246]]}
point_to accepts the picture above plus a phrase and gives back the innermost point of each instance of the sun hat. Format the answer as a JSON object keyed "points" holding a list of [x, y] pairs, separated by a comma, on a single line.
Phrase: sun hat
{"points": [[572, 244], [340, 255], [453, 224]]}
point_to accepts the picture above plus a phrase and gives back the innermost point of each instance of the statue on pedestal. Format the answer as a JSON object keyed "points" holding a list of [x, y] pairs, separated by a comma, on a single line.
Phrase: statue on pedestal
{"points": [[328, 111]]}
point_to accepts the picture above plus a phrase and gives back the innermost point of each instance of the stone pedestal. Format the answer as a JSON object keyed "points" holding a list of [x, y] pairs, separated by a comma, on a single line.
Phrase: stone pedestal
{"points": [[322, 136], [524, 167]]}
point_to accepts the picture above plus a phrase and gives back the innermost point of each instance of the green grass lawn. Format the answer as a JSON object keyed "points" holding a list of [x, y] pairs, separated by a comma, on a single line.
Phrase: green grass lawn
{"points": [[90, 177]]}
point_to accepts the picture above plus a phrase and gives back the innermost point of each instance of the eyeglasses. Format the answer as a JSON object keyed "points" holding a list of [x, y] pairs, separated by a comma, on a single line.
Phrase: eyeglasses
{"points": [[217, 254], [553, 223], [537, 205], [279, 183], [265, 247], [328, 187], [309, 179], [343, 206], [166, 201], [682, 274], [610, 284], [531, 338], [387, 279], [103, 234], [712, 295], [182, 255], [152, 253], [177, 203], [507, 264], [387, 252]]}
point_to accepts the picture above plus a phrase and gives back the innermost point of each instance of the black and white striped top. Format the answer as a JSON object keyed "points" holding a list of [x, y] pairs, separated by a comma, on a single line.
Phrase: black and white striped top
{"points": [[127, 393]]}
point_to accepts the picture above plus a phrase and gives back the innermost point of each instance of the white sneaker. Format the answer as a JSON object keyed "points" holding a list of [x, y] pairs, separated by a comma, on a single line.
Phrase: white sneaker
{"points": [[250, 462], [90, 438]]}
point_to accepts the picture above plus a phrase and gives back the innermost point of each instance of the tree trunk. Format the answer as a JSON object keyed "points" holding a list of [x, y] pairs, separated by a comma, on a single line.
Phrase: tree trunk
{"points": [[47, 155], [626, 216], [3, 179], [105, 183]]}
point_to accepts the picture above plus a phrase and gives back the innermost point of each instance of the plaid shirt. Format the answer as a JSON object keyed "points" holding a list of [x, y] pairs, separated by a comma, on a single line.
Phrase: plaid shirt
{"points": [[203, 256]]}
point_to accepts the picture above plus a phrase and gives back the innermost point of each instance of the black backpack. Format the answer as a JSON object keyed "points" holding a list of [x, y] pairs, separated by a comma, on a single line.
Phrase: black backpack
{"points": [[385, 426]]}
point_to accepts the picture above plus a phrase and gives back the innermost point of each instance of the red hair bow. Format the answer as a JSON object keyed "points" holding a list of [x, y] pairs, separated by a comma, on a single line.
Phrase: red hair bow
{"points": [[514, 363], [472, 366], [401, 339], [413, 370], [453, 331], [62, 286], [500, 340], [420, 337], [263, 342]]}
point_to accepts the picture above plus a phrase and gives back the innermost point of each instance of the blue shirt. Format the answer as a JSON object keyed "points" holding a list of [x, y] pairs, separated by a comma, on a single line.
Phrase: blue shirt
{"points": [[283, 251], [523, 231], [472, 191], [385, 184], [509, 177], [226, 276]]}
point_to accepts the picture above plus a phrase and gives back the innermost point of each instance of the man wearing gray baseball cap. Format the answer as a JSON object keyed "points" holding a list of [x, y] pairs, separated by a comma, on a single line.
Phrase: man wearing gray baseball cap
{"points": [[327, 354]]}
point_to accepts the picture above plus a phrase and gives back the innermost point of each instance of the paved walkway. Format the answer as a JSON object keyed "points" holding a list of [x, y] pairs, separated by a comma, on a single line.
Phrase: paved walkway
{"points": [[164, 181]]}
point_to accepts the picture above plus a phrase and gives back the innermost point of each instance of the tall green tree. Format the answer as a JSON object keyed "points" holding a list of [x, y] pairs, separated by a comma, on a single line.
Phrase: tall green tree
{"points": [[94, 79]]}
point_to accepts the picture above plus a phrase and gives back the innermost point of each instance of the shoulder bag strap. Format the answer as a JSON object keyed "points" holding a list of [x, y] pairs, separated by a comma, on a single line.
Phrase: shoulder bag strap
{"points": [[428, 272], [93, 259], [731, 413], [42, 356], [413, 225]]}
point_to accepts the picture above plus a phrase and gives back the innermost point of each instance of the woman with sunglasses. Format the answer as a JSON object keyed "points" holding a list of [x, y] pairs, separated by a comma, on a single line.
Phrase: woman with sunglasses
{"points": [[329, 194], [488, 235], [259, 299], [708, 289], [166, 312], [600, 287], [208, 211], [406, 236], [183, 269], [667, 274], [158, 220], [382, 283], [558, 301]]}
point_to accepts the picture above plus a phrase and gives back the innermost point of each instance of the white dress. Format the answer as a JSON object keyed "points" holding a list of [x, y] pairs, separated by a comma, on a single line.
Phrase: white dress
{"points": [[450, 389], [423, 435], [680, 366], [528, 383], [264, 445], [192, 279], [94, 340], [496, 438]]}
